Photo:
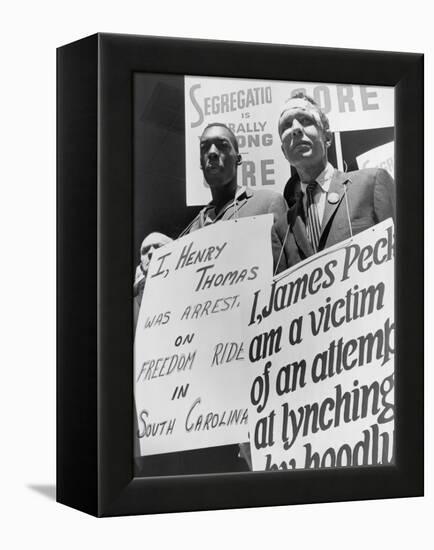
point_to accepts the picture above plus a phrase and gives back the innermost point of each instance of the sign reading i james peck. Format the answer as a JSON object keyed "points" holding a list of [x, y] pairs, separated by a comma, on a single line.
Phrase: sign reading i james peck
{"points": [[320, 340]]}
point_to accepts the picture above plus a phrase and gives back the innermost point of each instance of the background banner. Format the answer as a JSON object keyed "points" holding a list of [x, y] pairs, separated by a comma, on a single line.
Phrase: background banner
{"points": [[320, 339], [251, 108], [191, 382], [379, 157]]}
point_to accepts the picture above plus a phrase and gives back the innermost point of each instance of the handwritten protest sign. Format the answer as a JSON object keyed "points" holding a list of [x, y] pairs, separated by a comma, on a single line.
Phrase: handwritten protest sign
{"points": [[191, 382], [320, 339], [251, 108], [379, 157]]}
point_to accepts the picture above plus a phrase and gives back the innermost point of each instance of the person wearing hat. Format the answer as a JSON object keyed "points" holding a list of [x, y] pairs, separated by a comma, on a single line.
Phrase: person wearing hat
{"points": [[325, 206]]}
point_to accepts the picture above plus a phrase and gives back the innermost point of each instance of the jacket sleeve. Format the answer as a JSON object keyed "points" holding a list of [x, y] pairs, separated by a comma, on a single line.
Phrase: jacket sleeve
{"points": [[384, 196]]}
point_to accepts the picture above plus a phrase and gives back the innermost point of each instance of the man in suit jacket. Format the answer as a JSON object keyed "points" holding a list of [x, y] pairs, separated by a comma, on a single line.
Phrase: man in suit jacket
{"points": [[325, 206]]}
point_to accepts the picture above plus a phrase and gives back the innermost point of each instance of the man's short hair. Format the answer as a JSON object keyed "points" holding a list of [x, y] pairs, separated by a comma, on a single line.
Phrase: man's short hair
{"points": [[233, 136], [322, 116]]}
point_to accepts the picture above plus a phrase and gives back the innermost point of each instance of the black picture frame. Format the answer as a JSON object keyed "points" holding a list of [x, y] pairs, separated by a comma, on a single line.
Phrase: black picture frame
{"points": [[94, 274]]}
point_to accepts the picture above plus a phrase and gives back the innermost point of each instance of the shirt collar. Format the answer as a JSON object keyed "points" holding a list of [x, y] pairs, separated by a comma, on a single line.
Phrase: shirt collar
{"points": [[208, 214], [323, 180]]}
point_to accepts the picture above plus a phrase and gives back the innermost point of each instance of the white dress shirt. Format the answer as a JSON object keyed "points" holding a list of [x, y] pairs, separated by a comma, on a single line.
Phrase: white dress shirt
{"points": [[320, 196]]}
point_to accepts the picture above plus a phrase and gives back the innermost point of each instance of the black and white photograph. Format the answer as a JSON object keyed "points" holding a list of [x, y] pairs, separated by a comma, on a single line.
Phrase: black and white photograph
{"points": [[217, 254], [264, 215], [249, 330]]}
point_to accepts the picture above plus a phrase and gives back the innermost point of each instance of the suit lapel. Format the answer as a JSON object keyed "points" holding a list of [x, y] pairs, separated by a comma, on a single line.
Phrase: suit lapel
{"points": [[229, 210], [337, 186]]}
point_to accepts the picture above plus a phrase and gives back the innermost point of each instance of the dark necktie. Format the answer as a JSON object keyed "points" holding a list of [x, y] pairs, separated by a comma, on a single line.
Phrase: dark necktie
{"points": [[313, 226]]}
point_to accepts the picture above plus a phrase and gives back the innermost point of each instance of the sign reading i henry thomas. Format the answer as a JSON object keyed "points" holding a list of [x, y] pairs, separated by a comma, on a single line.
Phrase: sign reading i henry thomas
{"points": [[191, 380], [321, 342], [251, 108]]}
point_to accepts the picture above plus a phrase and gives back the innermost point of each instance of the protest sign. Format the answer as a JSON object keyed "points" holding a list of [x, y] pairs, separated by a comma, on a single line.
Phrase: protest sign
{"points": [[251, 108], [191, 382], [379, 157], [320, 340]]}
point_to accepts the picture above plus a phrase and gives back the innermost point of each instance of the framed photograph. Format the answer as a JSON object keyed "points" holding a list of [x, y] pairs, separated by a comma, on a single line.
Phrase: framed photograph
{"points": [[240, 265]]}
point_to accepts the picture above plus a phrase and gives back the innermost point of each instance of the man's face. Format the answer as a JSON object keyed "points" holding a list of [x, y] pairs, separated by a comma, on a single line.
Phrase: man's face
{"points": [[146, 255], [218, 156], [304, 142], [151, 243]]}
